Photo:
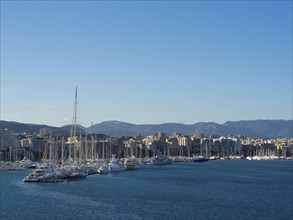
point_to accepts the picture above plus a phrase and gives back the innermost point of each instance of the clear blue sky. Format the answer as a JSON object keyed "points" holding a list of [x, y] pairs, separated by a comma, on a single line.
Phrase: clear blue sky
{"points": [[146, 61]]}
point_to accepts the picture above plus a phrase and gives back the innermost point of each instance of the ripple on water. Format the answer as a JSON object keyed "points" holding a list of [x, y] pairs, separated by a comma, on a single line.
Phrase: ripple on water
{"points": [[90, 209]]}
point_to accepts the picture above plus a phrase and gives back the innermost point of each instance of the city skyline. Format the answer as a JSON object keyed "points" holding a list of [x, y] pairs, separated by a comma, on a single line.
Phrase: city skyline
{"points": [[146, 62]]}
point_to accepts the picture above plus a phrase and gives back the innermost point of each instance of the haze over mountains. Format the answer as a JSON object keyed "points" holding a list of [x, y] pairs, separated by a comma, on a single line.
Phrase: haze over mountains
{"points": [[251, 128]]}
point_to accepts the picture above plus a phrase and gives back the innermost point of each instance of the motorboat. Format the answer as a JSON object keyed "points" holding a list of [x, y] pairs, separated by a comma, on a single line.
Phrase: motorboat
{"points": [[131, 163], [103, 168], [115, 165], [43, 173], [161, 160], [76, 175], [200, 159]]}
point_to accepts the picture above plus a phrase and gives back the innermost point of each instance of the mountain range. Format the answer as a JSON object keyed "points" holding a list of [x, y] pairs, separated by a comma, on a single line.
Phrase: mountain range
{"points": [[251, 128]]}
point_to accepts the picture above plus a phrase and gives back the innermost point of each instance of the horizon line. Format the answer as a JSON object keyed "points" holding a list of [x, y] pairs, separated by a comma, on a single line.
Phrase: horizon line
{"points": [[29, 123]]}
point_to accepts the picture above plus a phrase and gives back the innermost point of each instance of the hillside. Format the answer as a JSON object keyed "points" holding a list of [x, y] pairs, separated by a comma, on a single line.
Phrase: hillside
{"points": [[251, 128]]}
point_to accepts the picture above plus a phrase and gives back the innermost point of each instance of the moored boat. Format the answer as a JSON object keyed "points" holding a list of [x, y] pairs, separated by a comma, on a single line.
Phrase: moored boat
{"points": [[161, 160], [103, 168], [43, 173], [200, 159], [76, 176], [115, 165], [131, 163]]}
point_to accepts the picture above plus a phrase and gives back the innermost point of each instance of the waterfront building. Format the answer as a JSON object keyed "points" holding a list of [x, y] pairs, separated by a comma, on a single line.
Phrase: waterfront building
{"points": [[9, 144], [13, 146]]}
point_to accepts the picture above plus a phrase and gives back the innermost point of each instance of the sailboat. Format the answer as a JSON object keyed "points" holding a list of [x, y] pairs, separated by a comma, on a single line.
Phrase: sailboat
{"points": [[75, 173]]}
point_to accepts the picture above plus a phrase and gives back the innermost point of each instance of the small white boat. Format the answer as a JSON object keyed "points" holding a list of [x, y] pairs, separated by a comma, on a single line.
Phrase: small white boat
{"points": [[200, 159], [76, 175], [115, 165], [131, 163], [103, 169], [161, 160]]}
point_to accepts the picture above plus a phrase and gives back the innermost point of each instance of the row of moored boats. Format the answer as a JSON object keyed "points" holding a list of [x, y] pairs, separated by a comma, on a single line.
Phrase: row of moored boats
{"points": [[74, 171]]}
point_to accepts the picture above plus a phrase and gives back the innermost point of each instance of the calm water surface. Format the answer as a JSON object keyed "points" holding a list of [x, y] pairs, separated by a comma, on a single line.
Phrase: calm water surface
{"points": [[223, 189]]}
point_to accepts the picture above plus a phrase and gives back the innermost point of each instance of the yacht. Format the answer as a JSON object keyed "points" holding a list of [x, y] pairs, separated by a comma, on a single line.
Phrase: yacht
{"points": [[76, 175], [200, 159], [161, 160], [115, 165], [103, 168], [43, 173], [131, 163]]}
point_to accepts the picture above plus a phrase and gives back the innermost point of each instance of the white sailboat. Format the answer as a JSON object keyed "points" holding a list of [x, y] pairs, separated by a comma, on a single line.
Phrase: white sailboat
{"points": [[76, 173]]}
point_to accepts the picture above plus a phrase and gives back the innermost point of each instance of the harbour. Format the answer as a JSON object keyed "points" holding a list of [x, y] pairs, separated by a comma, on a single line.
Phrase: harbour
{"points": [[217, 189], [146, 110]]}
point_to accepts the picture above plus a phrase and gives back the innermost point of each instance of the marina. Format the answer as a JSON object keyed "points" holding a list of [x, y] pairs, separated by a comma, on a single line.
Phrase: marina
{"points": [[146, 110]]}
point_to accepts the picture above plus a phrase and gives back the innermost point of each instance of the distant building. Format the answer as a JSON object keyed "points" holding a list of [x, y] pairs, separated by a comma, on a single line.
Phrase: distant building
{"points": [[161, 136], [38, 148], [25, 142], [8, 140], [44, 132], [184, 141], [8, 144]]}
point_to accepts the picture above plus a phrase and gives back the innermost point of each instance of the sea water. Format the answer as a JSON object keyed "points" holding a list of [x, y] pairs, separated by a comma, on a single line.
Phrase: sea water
{"points": [[221, 189]]}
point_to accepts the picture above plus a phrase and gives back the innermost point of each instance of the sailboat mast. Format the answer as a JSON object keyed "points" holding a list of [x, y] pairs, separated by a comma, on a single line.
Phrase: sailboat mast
{"points": [[92, 142], [62, 151], [74, 125], [74, 112], [73, 128], [50, 149]]}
